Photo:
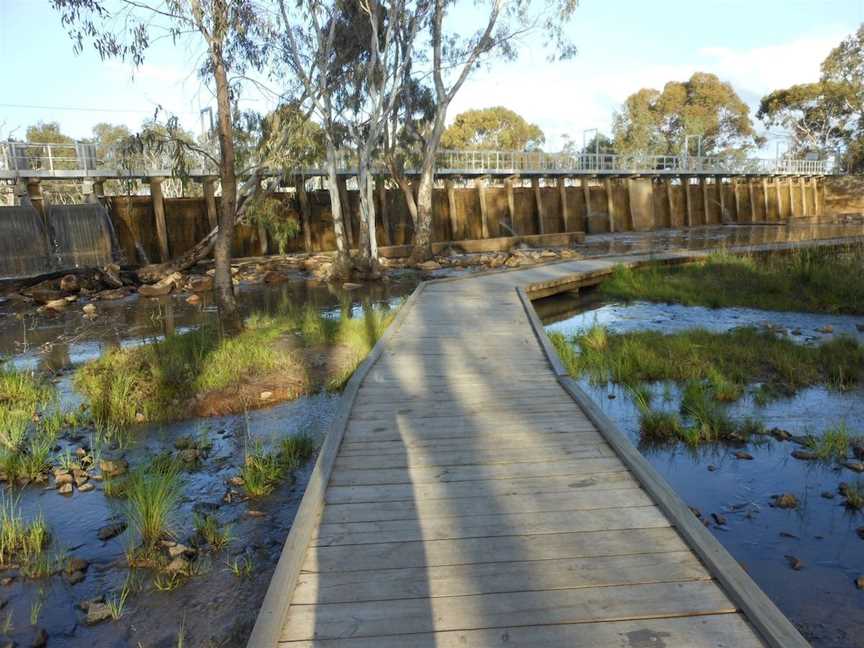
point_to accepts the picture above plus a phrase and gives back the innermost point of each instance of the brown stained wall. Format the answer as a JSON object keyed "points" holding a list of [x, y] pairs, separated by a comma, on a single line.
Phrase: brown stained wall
{"points": [[661, 206], [550, 197], [525, 219]]}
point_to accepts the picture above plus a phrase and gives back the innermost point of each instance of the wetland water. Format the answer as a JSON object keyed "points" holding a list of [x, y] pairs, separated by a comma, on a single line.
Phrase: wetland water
{"points": [[214, 606], [822, 534]]}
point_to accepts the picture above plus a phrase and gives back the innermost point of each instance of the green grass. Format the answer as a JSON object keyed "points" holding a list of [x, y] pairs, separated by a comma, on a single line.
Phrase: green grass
{"points": [[241, 566], [156, 380], [832, 444], [854, 494], [214, 534], [728, 361], [262, 471], [294, 451], [21, 542], [819, 280], [152, 495]]}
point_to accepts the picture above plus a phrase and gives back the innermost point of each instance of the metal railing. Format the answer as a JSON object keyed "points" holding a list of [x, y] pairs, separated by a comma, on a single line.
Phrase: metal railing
{"points": [[79, 159]]}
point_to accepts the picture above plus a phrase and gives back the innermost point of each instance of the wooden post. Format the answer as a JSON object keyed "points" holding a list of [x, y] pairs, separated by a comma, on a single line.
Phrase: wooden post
{"points": [[779, 198], [305, 211], [384, 213], [586, 197], [159, 216], [736, 193], [480, 183], [451, 202], [669, 201], [685, 185], [752, 197], [511, 204], [706, 204], [346, 209], [538, 201], [721, 199], [765, 199], [610, 203], [562, 193], [804, 208]]}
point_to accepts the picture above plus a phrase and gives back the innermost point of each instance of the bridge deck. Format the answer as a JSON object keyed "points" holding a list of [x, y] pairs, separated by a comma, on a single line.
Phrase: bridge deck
{"points": [[473, 503]]}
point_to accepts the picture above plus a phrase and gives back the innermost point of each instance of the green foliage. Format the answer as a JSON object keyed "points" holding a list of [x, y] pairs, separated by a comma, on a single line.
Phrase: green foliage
{"points": [[854, 494], [655, 123], [819, 280], [832, 444], [261, 471], [241, 566], [156, 380], [294, 451], [271, 213], [22, 543], [153, 492], [210, 530], [496, 128]]}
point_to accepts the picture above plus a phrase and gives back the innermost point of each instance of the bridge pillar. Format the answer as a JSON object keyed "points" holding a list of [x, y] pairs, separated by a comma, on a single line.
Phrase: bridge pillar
{"points": [[562, 194], [586, 197], [538, 201], [34, 194], [706, 202], [688, 206], [804, 207], [792, 213], [737, 196], [721, 198], [158, 202], [765, 204], [670, 203], [819, 196], [610, 203], [480, 183], [383, 211], [751, 196], [451, 204], [779, 197], [511, 204]]}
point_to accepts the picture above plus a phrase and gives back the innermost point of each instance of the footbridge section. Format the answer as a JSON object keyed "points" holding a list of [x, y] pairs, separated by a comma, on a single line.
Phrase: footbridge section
{"points": [[470, 495]]}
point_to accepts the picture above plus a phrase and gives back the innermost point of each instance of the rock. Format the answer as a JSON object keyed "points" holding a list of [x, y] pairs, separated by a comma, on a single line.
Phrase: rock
{"points": [[236, 480], [7, 580], [794, 563], [75, 577], [786, 534], [189, 455], [827, 494], [65, 489], [81, 480], [178, 550], [56, 305], [155, 290], [860, 532], [63, 479], [89, 309], [86, 488], [428, 266], [712, 467], [266, 395], [184, 442], [719, 519], [351, 286], [139, 417], [805, 455], [178, 566], [69, 283], [111, 530], [780, 434], [193, 299], [113, 467], [76, 565], [111, 275], [859, 582], [786, 501], [200, 284], [273, 277], [856, 466], [741, 454], [112, 294], [40, 638], [97, 613]]}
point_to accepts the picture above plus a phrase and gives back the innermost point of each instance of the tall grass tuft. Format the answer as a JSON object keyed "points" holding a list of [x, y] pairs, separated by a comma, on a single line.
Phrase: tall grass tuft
{"points": [[21, 542], [832, 444], [152, 494]]}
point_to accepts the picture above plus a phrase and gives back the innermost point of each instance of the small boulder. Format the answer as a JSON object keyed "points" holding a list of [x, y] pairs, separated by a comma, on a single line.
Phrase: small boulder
{"points": [[65, 489], [97, 613], [266, 395], [794, 562], [826, 329], [62, 479], [56, 305], [429, 266], [859, 582], [70, 284], [89, 309], [719, 519], [75, 577], [179, 550], [178, 566], [76, 565], [155, 290], [856, 466], [741, 454], [111, 531], [86, 488], [189, 455], [200, 284], [113, 467], [786, 501], [805, 455], [193, 299]]}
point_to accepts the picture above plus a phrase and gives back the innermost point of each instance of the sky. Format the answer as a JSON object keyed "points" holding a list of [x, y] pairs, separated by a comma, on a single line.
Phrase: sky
{"points": [[623, 45]]}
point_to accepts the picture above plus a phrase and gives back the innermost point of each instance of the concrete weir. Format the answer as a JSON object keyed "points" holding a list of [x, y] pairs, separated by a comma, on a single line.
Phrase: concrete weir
{"points": [[470, 494]]}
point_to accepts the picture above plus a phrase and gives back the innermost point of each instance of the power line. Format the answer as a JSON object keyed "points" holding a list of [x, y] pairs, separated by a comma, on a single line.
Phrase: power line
{"points": [[84, 109]]}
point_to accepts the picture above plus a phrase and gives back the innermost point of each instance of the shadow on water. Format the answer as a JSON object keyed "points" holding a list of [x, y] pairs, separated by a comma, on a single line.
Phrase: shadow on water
{"points": [[821, 598]]}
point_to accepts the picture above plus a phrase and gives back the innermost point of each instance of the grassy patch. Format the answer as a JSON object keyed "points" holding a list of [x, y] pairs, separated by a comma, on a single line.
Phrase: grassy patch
{"points": [[819, 280], [728, 362], [262, 470], [212, 532], [22, 543], [155, 382], [152, 494], [833, 444]]}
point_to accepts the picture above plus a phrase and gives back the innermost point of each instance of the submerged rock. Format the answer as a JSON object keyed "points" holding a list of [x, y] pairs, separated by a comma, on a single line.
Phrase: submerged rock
{"points": [[805, 455], [786, 501], [113, 467], [111, 530], [856, 466], [794, 562], [97, 613], [742, 454]]}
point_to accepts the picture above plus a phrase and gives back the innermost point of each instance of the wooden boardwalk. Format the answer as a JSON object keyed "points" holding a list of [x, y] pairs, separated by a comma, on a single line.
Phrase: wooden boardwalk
{"points": [[473, 503]]}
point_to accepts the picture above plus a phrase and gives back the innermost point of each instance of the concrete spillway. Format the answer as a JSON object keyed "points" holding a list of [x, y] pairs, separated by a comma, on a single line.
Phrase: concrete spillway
{"points": [[68, 236]]}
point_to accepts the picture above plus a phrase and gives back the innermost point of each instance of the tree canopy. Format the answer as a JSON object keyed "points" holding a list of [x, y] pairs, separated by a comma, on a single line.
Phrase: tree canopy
{"points": [[496, 128], [656, 122]]}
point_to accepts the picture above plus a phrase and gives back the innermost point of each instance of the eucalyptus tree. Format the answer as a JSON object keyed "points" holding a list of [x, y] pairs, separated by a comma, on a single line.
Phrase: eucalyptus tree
{"points": [[455, 56], [235, 34]]}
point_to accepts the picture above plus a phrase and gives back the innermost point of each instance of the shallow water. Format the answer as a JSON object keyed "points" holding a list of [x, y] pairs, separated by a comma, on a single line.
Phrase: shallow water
{"points": [[214, 607], [821, 598]]}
